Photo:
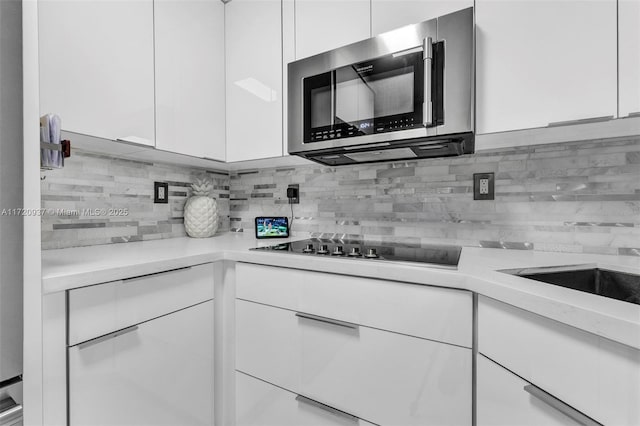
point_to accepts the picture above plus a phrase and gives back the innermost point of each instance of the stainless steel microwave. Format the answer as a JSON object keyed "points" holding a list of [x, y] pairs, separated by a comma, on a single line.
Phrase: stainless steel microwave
{"points": [[408, 93]]}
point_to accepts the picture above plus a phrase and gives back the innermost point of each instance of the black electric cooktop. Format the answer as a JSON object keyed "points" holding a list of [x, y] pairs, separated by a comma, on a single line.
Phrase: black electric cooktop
{"points": [[431, 255]]}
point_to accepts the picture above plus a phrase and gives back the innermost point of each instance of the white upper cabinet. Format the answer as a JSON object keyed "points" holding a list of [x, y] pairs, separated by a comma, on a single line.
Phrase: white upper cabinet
{"points": [[254, 79], [323, 25], [629, 59], [541, 62], [189, 71], [288, 55], [96, 67], [387, 15]]}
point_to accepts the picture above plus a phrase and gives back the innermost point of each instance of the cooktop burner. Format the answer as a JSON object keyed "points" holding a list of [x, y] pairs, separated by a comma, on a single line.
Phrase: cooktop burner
{"points": [[442, 256]]}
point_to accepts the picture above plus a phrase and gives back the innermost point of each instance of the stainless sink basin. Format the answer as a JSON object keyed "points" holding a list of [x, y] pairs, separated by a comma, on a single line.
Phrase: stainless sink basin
{"points": [[587, 278]]}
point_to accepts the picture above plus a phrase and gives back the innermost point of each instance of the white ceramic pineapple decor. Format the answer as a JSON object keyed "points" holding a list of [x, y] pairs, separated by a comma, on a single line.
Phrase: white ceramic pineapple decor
{"points": [[201, 211]]}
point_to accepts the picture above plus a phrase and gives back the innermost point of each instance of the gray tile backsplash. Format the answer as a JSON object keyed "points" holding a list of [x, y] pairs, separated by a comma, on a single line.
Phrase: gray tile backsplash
{"points": [[570, 197], [75, 199]]}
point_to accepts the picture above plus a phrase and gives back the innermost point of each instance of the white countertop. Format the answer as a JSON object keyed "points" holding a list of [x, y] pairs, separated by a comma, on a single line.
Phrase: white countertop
{"points": [[477, 271]]}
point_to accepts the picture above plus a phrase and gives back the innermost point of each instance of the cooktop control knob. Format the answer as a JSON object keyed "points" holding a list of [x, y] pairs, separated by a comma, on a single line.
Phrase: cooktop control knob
{"points": [[371, 253], [308, 248], [355, 252], [337, 251], [324, 249]]}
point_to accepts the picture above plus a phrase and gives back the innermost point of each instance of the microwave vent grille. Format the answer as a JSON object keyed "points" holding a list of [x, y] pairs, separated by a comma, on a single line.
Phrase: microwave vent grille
{"points": [[386, 155]]}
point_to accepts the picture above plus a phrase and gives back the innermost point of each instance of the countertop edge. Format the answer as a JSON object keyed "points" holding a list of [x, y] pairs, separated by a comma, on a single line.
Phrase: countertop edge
{"points": [[605, 322]]}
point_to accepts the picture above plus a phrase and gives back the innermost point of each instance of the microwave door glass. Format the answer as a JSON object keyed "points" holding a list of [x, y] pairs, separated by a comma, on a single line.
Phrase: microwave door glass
{"points": [[394, 93], [321, 107], [346, 104], [379, 96], [355, 100]]}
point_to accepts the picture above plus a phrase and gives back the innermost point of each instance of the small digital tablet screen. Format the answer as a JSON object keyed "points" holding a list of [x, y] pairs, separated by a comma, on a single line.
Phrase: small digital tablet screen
{"points": [[272, 227]]}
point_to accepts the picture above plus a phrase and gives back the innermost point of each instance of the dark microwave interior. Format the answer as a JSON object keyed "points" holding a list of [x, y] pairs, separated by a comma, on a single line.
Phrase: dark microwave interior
{"points": [[382, 95]]}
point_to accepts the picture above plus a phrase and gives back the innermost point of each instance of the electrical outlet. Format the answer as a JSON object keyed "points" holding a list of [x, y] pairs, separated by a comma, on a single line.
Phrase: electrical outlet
{"points": [[160, 192], [293, 193], [483, 186]]}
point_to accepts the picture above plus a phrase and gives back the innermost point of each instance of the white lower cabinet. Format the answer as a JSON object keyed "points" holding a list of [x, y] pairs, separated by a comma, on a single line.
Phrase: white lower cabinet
{"points": [[158, 372], [260, 403], [597, 376], [503, 401], [100, 309], [382, 377], [434, 313]]}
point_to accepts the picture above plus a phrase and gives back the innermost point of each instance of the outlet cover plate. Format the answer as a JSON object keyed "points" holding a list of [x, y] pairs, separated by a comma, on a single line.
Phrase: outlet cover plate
{"points": [[160, 193], [483, 186]]}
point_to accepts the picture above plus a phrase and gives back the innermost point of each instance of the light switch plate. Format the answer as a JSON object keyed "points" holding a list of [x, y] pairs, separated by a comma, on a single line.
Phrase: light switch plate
{"points": [[483, 186], [160, 192]]}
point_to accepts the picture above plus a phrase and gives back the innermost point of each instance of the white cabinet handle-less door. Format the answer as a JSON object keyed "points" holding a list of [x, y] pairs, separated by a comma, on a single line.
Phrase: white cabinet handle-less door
{"points": [[159, 372], [96, 67], [629, 56], [542, 62], [190, 99], [253, 38], [387, 15], [322, 25]]}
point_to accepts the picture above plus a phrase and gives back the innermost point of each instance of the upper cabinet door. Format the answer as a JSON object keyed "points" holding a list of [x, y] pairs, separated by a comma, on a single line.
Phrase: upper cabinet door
{"points": [[254, 79], [541, 62], [387, 15], [629, 59], [96, 67], [190, 106], [288, 55], [323, 25]]}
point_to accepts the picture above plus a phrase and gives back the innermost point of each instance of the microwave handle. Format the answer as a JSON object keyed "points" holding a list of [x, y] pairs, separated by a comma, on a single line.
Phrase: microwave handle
{"points": [[427, 107]]}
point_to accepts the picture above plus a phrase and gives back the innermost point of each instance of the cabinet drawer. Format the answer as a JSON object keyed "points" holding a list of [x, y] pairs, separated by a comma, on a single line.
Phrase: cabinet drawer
{"points": [[383, 377], [262, 404], [503, 401], [596, 376], [160, 373], [429, 312], [104, 308]]}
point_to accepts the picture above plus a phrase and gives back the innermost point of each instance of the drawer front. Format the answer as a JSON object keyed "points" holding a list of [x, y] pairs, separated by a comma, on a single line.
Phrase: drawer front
{"points": [[262, 404], [160, 373], [101, 309], [429, 312], [503, 401], [11, 402], [596, 376], [383, 377]]}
